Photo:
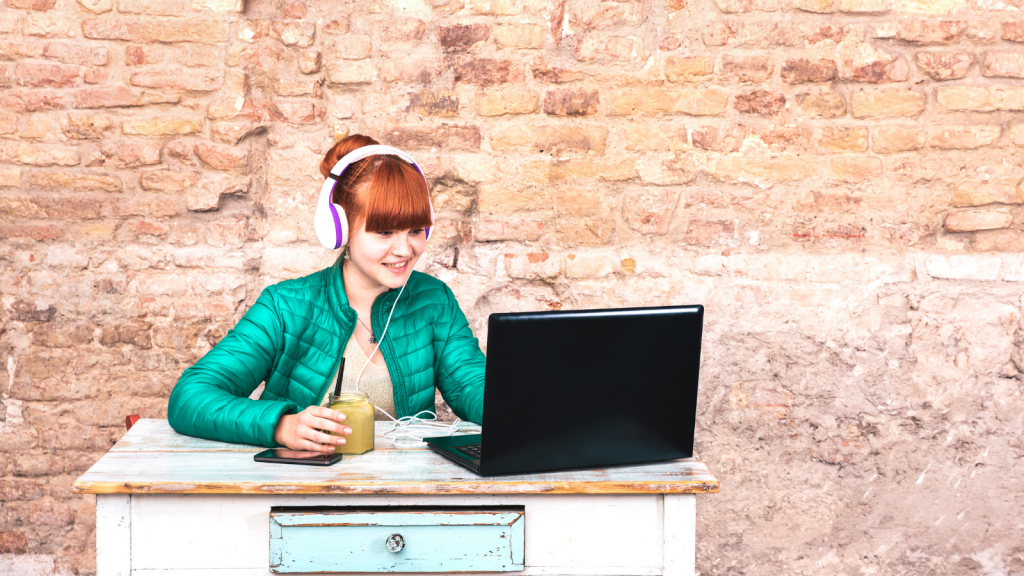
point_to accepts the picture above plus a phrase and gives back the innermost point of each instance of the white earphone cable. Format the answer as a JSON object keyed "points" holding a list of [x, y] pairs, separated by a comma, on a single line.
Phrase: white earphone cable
{"points": [[403, 429]]}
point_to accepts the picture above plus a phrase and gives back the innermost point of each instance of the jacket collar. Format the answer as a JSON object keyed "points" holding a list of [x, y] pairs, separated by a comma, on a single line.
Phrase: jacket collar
{"points": [[336, 297]]}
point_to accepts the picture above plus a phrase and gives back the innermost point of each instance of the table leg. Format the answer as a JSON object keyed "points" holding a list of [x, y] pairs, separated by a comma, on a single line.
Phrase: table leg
{"points": [[680, 534], [113, 534]]}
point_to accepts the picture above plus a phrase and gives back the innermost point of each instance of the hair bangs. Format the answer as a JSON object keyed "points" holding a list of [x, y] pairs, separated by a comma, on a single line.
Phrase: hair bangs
{"points": [[397, 198]]}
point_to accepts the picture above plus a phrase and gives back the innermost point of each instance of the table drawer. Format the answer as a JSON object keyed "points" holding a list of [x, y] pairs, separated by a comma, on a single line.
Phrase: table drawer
{"points": [[397, 539]]}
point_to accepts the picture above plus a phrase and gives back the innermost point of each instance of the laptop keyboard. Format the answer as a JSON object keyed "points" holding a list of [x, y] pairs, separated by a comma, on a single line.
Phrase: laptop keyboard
{"points": [[473, 450]]}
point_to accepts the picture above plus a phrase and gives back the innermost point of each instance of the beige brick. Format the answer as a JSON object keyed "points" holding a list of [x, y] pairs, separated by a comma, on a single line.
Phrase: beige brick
{"points": [[864, 6], [844, 139], [551, 138], [97, 6], [76, 182], [218, 6], [817, 6], [614, 48], [206, 31], [962, 137], [87, 127], [351, 47], [500, 198], [508, 228], [689, 68], [930, 31], [743, 6], [359, 72], [594, 265], [944, 66], [821, 105], [498, 102], [745, 68], [1013, 30], [454, 137], [169, 180], [223, 158], [1003, 65], [10, 178], [886, 103], [161, 127], [893, 139], [520, 36], [532, 265], [152, 7], [579, 102], [670, 171], [401, 30], [855, 168], [309, 61], [757, 168], [761, 102], [441, 104], [488, 71], [643, 136], [991, 192], [980, 98], [998, 241], [694, 102], [496, 7], [17, 153], [1016, 133], [972, 220], [800, 70]]}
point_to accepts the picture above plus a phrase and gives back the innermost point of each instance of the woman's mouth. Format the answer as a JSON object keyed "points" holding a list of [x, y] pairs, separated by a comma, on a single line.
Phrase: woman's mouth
{"points": [[396, 266]]}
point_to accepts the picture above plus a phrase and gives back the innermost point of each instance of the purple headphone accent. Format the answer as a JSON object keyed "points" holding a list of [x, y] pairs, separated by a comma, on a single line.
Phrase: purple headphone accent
{"points": [[427, 229], [337, 226]]}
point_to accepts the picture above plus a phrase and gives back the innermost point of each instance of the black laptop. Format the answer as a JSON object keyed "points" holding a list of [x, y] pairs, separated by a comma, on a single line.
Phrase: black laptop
{"points": [[583, 389]]}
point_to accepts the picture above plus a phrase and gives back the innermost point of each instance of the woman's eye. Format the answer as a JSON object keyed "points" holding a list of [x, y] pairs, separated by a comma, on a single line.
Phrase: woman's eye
{"points": [[417, 232], [386, 233]]}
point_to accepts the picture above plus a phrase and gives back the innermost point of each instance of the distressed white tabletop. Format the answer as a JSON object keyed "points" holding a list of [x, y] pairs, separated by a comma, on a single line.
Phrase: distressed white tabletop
{"points": [[152, 459]]}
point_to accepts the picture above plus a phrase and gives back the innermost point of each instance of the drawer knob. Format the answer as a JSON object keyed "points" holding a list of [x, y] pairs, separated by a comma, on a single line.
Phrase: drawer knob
{"points": [[394, 543]]}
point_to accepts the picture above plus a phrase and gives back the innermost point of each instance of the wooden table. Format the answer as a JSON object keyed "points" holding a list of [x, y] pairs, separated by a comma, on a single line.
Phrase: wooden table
{"points": [[180, 506]]}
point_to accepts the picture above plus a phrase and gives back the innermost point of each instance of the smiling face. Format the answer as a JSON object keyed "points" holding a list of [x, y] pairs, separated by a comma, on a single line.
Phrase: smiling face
{"points": [[384, 259]]}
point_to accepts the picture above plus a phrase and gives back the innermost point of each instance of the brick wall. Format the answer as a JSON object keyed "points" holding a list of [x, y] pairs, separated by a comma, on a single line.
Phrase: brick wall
{"points": [[838, 181]]}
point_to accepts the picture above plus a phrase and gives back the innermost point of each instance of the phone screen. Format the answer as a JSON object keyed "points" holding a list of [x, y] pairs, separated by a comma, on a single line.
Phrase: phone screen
{"points": [[297, 454], [284, 455]]}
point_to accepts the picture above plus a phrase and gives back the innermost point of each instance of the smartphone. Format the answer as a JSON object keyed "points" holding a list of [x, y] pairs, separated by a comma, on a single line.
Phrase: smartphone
{"points": [[286, 456]]}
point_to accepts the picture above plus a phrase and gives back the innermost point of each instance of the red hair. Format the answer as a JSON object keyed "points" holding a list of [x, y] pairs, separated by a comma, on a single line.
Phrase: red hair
{"points": [[386, 191]]}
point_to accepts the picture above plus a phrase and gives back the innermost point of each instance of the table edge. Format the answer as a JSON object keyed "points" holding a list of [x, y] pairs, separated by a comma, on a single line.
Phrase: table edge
{"points": [[420, 488]]}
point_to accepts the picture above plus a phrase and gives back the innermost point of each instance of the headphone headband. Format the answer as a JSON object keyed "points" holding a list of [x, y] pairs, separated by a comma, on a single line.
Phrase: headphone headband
{"points": [[329, 220]]}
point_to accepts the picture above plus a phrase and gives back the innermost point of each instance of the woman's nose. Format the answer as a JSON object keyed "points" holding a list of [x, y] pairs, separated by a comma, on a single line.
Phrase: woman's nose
{"points": [[402, 246]]}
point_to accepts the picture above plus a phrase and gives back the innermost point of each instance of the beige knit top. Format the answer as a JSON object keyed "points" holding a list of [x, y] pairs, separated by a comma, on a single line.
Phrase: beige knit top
{"points": [[376, 381]]}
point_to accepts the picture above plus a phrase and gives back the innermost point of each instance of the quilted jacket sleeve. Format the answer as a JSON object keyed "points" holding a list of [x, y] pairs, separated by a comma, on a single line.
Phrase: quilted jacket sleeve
{"points": [[211, 399], [460, 365]]}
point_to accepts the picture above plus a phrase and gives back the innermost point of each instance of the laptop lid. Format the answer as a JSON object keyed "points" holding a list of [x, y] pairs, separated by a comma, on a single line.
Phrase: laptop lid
{"points": [[589, 388]]}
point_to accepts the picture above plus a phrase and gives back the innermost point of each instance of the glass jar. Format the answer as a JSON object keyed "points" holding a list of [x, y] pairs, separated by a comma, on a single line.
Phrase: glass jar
{"points": [[359, 417]]}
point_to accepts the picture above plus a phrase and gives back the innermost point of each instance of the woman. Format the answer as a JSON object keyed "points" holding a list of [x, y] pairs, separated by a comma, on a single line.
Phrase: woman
{"points": [[295, 334]]}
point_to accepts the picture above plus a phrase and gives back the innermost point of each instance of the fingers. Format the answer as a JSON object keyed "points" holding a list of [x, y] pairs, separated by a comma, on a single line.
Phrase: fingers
{"points": [[329, 426], [317, 436], [312, 446], [324, 412]]}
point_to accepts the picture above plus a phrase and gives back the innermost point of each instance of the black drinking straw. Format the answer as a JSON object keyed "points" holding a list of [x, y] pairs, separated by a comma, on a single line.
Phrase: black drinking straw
{"points": [[341, 372]]}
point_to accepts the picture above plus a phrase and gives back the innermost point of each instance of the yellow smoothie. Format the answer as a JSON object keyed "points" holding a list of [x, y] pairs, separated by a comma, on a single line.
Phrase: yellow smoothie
{"points": [[359, 417]]}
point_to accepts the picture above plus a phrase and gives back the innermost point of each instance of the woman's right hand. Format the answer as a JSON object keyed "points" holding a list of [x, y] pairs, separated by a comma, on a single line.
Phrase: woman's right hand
{"points": [[302, 431]]}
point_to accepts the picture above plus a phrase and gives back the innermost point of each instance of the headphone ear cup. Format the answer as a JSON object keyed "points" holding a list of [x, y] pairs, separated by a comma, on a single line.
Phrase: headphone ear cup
{"points": [[329, 220]]}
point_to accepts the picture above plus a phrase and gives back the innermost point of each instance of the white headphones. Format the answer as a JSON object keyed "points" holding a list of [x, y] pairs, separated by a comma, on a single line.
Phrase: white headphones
{"points": [[329, 221]]}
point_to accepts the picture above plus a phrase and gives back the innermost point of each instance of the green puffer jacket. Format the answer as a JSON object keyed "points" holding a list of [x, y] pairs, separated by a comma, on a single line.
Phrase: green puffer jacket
{"points": [[292, 338]]}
